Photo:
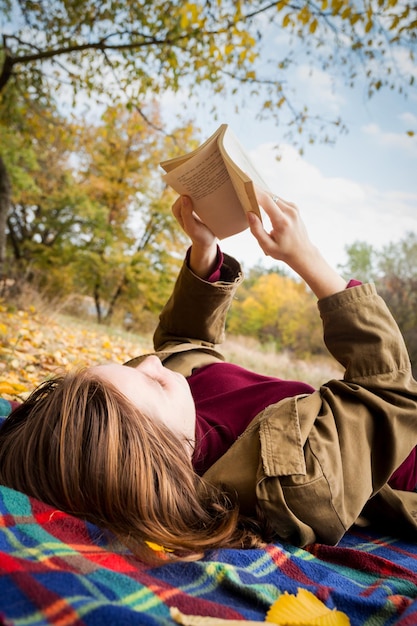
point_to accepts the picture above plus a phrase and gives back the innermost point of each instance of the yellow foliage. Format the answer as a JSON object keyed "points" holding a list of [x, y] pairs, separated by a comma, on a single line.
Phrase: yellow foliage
{"points": [[190, 13], [313, 26], [336, 6], [279, 309], [304, 15], [281, 4], [228, 49]]}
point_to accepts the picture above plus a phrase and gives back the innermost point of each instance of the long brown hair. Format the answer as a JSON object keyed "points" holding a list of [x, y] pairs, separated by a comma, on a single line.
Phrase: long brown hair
{"points": [[79, 445]]}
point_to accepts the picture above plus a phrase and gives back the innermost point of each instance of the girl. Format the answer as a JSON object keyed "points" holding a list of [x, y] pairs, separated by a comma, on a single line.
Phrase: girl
{"points": [[190, 452]]}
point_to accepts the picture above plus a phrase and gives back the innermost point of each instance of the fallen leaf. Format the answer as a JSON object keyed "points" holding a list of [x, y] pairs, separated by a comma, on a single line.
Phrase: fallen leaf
{"points": [[35, 346], [304, 609], [11, 388]]}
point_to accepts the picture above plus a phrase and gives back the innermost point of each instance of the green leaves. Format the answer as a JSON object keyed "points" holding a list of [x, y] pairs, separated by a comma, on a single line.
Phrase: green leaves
{"points": [[128, 49]]}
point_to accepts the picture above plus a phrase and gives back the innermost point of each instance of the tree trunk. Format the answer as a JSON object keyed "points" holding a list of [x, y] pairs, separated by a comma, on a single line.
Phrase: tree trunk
{"points": [[113, 301], [97, 302], [5, 199]]}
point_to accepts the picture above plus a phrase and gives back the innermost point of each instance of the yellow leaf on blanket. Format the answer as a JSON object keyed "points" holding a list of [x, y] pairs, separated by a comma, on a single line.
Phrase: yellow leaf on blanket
{"points": [[156, 547], [304, 609], [199, 620]]}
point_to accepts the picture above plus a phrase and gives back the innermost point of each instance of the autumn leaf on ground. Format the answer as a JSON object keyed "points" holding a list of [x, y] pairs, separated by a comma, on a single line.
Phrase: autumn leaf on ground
{"points": [[35, 346]]}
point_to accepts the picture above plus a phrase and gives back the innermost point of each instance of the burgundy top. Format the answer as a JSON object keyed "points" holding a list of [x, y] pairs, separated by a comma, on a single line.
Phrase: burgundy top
{"points": [[227, 398]]}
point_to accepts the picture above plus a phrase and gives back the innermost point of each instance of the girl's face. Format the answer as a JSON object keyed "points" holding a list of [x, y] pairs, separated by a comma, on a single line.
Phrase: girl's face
{"points": [[156, 391]]}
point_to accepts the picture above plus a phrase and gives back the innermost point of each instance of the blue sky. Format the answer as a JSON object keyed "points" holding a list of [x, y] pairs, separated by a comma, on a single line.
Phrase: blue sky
{"points": [[363, 188]]}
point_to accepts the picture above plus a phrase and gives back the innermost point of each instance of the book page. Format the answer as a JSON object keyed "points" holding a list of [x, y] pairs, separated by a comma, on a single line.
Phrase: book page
{"points": [[171, 164], [206, 180], [203, 175], [239, 156]]}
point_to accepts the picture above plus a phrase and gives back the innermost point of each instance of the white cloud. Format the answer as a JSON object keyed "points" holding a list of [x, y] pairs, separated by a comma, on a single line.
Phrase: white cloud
{"points": [[336, 211], [318, 88], [398, 141], [404, 62], [408, 118]]}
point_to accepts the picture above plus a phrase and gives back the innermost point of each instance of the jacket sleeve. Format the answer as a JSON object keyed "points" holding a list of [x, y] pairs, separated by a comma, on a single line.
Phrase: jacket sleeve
{"points": [[362, 335], [196, 311]]}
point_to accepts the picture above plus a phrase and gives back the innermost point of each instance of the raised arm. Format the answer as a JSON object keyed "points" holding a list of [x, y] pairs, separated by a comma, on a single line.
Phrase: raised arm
{"points": [[288, 241], [197, 309]]}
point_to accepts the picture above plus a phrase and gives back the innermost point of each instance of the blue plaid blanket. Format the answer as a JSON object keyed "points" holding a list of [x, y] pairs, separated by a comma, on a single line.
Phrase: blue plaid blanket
{"points": [[56, 569]]}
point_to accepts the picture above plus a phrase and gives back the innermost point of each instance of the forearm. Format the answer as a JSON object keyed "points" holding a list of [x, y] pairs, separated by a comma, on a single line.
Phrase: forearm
{"points": [[197, 309], [203, 259], [288, 241], [322, 279]]}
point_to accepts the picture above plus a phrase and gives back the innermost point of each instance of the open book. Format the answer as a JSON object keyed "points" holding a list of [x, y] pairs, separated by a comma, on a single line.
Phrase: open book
{"points": [[219, 177]]}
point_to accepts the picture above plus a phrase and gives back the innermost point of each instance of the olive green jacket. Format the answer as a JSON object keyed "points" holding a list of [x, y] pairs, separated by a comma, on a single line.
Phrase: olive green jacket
{"points": [[314, 464]]}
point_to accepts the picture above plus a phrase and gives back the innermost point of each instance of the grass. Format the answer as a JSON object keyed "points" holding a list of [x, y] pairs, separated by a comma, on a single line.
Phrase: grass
{"points": [[36, 344], [249, 353]]}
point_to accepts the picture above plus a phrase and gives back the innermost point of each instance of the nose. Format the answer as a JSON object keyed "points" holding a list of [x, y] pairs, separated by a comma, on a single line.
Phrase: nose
{"points": [[151, 364]]}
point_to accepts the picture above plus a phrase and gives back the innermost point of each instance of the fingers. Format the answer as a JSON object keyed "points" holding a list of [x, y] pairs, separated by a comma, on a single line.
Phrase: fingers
{"points": [[191, 224], [182, 210], [177, 211], [287, 237], [259, 232], [187, 214], [276, 208]]}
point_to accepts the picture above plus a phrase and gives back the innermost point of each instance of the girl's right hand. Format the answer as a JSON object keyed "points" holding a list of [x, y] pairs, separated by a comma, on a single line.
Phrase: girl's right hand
{"points": [[191, 224], [288, 241], [203, 254]]}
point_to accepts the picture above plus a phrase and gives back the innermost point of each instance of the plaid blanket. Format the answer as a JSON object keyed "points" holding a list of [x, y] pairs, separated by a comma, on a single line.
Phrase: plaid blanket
{"points": [[56, 569]]}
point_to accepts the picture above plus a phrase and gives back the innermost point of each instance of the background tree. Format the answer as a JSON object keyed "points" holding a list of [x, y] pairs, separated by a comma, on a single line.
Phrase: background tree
{"points": [[132, 49], [362, 262], [89, 213], [5, 200], [149, 47], [46, 203], [136, 238], [278, 309], [394, 271], [397, 283]]}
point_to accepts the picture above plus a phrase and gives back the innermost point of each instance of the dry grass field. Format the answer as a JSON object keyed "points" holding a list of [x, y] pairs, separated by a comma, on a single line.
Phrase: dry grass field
{"points": [[36, 344]]}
